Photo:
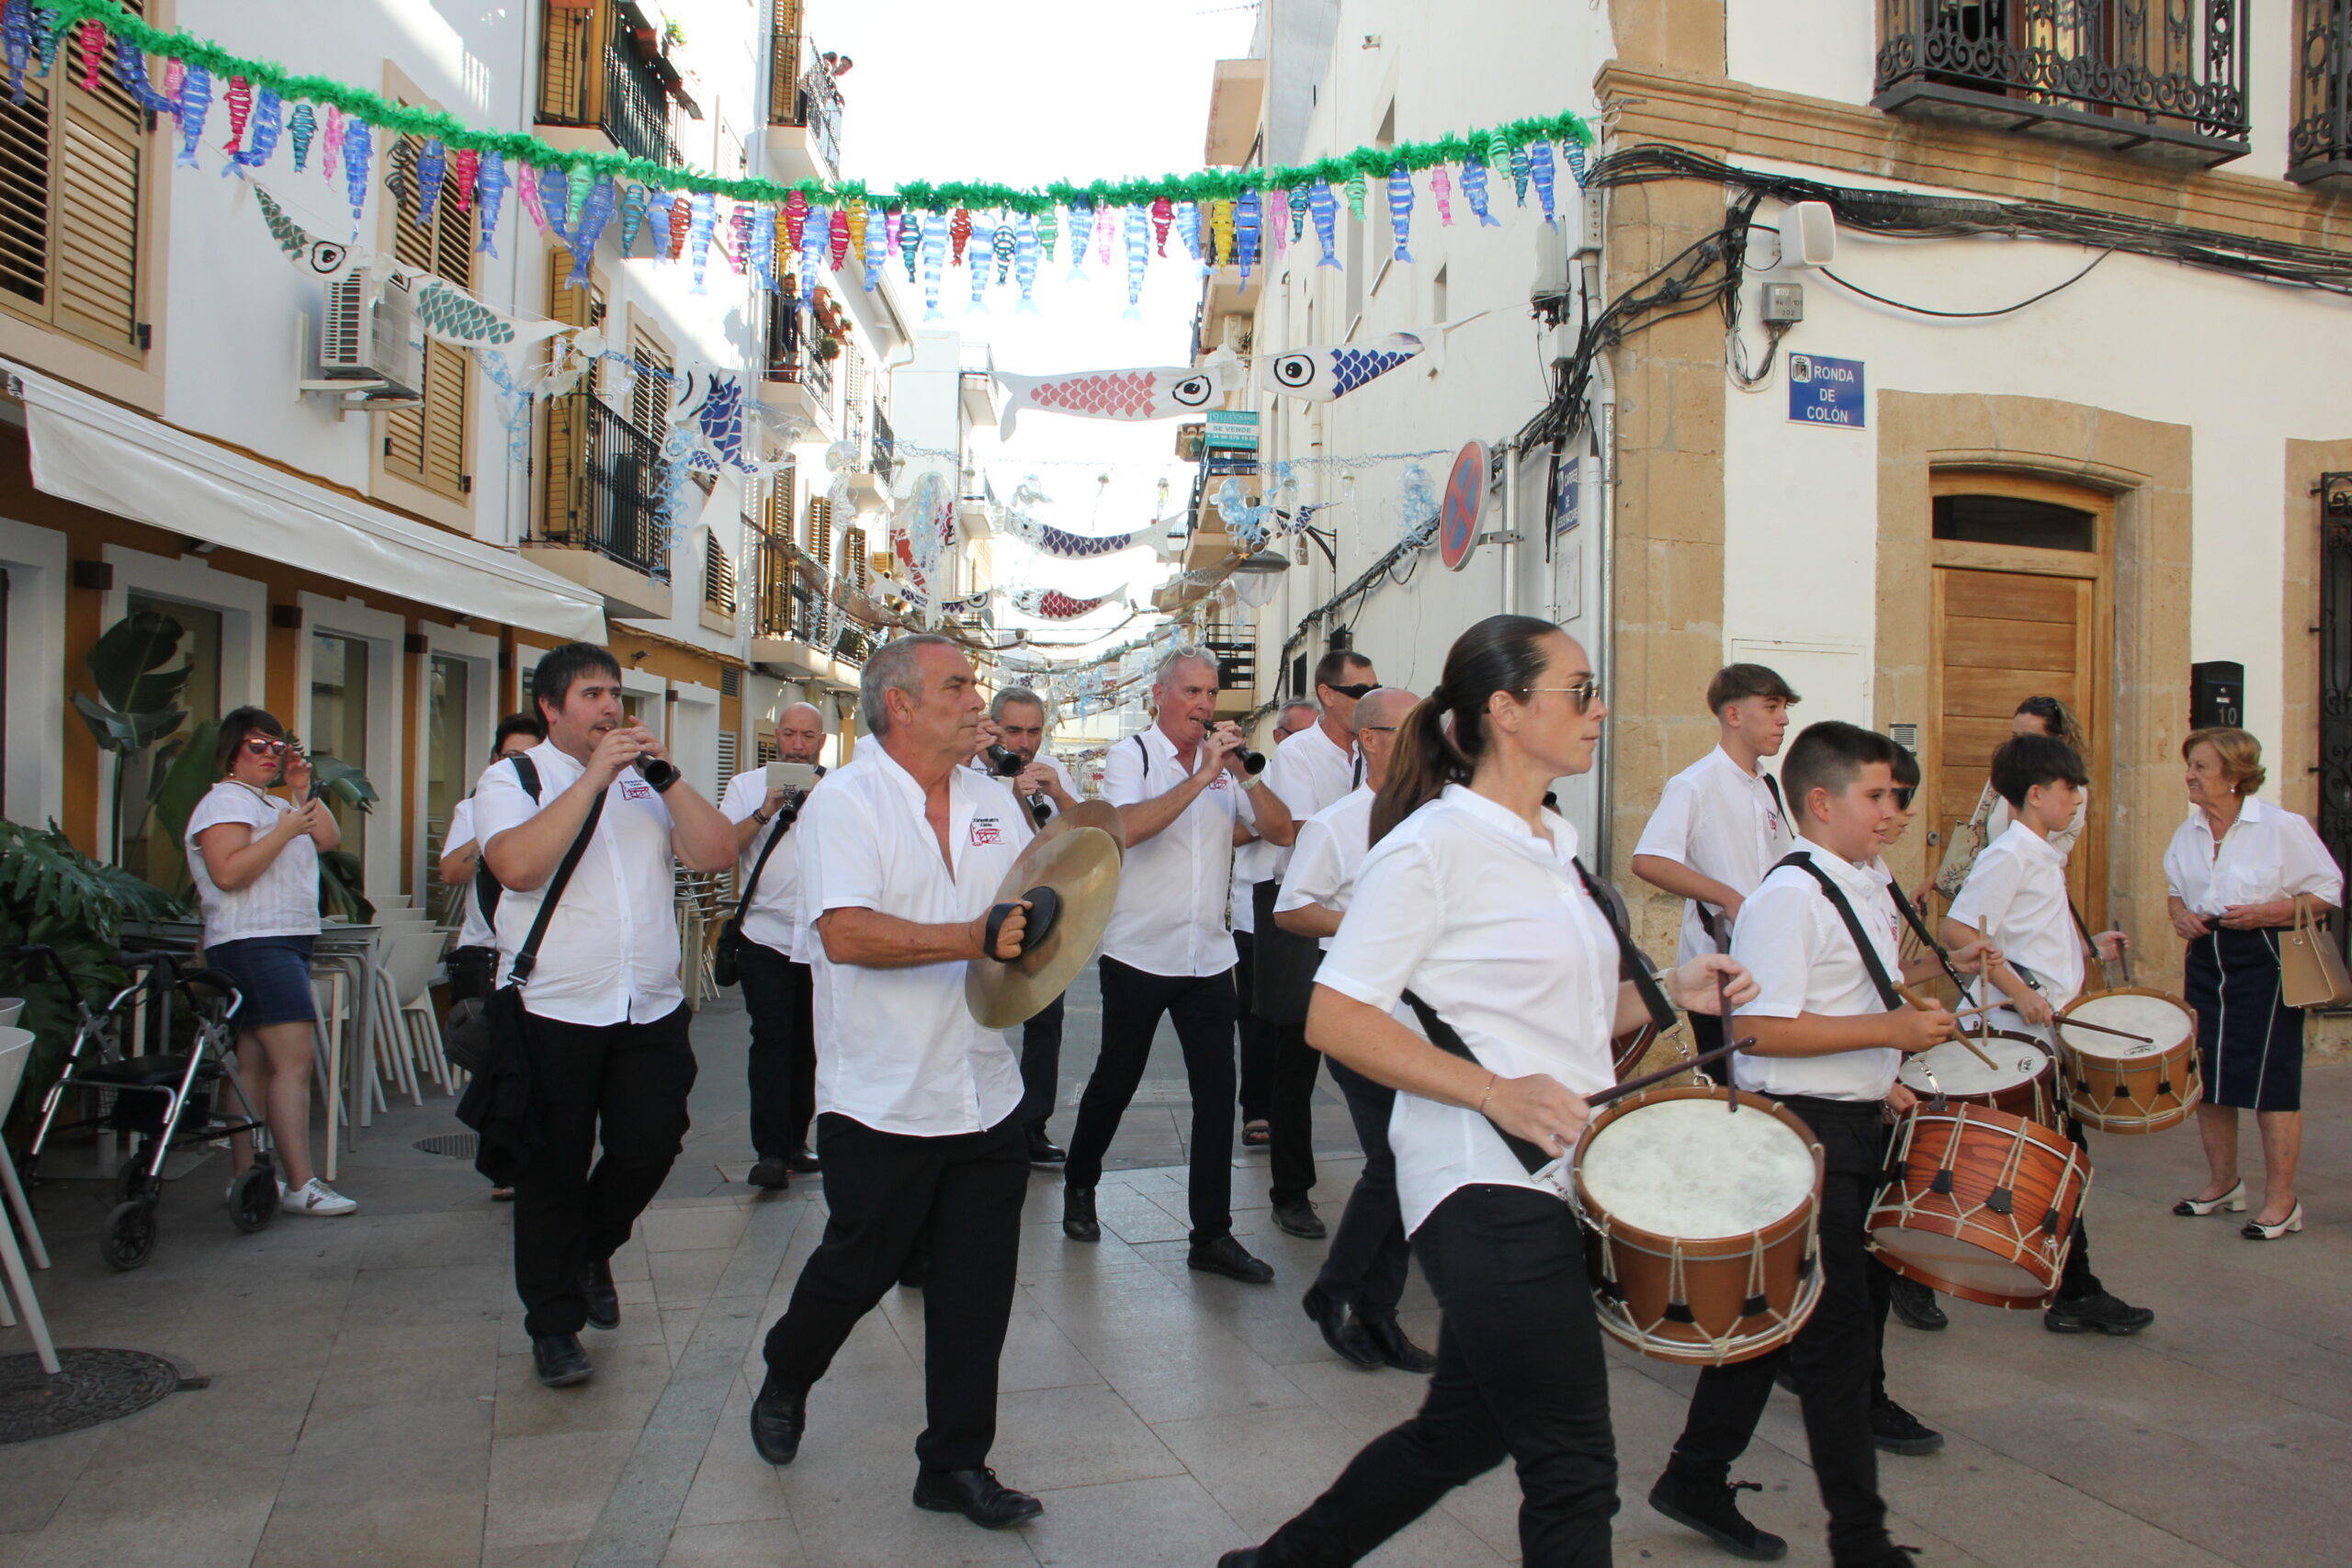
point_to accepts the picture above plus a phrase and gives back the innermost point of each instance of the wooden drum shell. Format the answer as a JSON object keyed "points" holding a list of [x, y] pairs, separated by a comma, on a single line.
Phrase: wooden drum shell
{"points": [[2146, 1093], [1993, 1161]]}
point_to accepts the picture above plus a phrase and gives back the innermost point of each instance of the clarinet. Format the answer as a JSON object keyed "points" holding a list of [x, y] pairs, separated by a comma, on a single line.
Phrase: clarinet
{"points": [[1006, 764]]}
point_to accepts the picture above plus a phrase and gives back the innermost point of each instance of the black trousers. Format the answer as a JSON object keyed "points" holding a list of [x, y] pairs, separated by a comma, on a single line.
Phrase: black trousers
{"points": [[1366, 1265], [1519, 1376], [1834, 1356], [1292, 1115], [1257, 1037], [1202, 1008], [959, 1197], [623, 1086], [1041, 1064], [782, 1067]]}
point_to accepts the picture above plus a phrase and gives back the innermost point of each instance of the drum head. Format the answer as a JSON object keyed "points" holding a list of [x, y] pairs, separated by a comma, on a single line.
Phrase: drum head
{"points": [[1960, 1264], [1696, 1169], [2165, 1023], [2017, 1059]]}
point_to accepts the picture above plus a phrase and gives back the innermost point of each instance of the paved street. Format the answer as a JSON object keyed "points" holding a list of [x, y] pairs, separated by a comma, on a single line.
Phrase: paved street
{"points": [[372, 1398]]}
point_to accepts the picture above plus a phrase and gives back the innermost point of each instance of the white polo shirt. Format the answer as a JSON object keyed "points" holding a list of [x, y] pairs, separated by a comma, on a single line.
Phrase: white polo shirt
{"points": [[611, 951], [1722, 821], [1488, 924], [1804, 960], [2016, 894], [1171, 915], [472, 930], [1309, 771], [283, 900], [2268, 852], [896, 1049], [1329, 851], [772, 918]]}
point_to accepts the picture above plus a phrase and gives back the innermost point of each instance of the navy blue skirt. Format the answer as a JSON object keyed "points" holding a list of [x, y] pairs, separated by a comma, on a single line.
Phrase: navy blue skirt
{"points": [[273, 974], [2249, 1041]]}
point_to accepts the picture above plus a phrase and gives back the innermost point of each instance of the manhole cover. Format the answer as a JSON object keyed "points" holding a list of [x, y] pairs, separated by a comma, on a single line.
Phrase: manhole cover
{"points": [[90, 1386], [457, 1146]]}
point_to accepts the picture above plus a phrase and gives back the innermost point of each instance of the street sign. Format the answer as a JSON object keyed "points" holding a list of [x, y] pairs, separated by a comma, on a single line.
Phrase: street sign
{"points": [[1823, 390], [1235, 429], [1465, 493]]}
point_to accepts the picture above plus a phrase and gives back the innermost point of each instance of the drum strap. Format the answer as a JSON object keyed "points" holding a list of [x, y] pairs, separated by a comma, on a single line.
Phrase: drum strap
{"points": [[1441, 1034], [1631, 964], [1885, 987]]}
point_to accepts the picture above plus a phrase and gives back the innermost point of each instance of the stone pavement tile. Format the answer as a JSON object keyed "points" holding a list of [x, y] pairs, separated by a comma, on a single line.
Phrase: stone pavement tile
{"points": [[35, 1477], [533, 1554], [1139, 1217], [423, 1241], [216, 1343], [394, 1530], [686, 1276], [628, 1379], [771, 1543], [2011, 1516], [551, 1488], [1113, 1303], [186, 1530], [733, 1484], [1074, 1437], [1364, 1404], [1167, 1523], [672, 1228], [876, 1526], [1181, 1377], [350, 1454], [413, 1298], [1045, 1250], [400, 1377], [1261, 1466], [678, 1325]]}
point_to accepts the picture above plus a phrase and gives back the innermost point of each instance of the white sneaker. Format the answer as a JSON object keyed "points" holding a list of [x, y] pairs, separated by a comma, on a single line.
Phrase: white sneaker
{"points": [[316, 1198]]}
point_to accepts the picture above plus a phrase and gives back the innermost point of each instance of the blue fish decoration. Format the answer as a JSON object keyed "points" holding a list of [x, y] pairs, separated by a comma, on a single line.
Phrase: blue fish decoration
{"points": [[1473, 188], [703, 215], [1297, 212], [978, 265], [877, 249], [815, 234], [1539, 163], [1573, 152], [934, 260], [909, 242], [489, 194], [1326, 209], [1024, 261], [1521, 167], [1401, 209], [595, 214], [1248, 222], [1081, 224], [195, 97], [555, 195], [1138, 258], [657, 212], [763, 249], [128, 64], [302, 126], [1003, 247], [261, 134], [16, 43], [48, 35], [358, 149], [432, 168], [632, 217]]}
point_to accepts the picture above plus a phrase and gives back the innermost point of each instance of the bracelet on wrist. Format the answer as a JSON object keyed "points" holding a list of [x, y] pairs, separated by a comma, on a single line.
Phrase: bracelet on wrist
{"points": [[1492, 1080]]}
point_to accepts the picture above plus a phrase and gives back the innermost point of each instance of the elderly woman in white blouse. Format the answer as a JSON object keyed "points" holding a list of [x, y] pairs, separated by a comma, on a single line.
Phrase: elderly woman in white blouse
{"points": [[256, 860], [2237, 872]]}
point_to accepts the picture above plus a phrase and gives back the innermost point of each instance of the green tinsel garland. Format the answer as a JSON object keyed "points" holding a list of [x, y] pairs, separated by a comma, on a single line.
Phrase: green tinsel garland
{"points": [[1208, 184]]}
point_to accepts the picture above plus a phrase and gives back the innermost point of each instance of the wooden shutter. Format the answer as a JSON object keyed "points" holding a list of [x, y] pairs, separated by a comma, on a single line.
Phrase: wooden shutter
{"points": [[426, 444], [649, 398], [856, 567], [779, 513], [564, 452], [821, 530]]}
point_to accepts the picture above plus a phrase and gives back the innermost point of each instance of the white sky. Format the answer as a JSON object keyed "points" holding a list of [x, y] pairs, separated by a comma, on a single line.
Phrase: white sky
{"points": [[1026, 92]]}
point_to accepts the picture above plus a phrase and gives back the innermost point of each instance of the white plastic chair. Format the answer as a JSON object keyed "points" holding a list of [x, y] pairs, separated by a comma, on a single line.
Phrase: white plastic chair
{"points": [[408, 975], [9, 1007], [16, 1048]]}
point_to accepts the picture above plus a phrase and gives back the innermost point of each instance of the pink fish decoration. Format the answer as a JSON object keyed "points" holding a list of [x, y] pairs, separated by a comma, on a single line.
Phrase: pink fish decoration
{"points": [[1159, 392], [1442, 189]]}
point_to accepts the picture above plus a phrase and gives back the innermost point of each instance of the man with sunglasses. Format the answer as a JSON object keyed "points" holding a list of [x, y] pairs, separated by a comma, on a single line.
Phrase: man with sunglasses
{"points": [[1308, 771]]}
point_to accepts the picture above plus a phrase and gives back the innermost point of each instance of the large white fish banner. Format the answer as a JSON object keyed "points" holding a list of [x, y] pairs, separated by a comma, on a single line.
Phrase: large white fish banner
{"points": [[1165, 391], [1319, 373], [1052, 604]]}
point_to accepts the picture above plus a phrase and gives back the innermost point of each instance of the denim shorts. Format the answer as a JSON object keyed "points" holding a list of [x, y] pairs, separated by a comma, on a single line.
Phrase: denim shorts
{"points": [[273, 974]]}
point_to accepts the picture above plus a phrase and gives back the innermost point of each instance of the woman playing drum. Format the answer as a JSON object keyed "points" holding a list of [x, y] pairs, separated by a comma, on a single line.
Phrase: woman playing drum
{"points": [[2236, 872], [1470, 903]]}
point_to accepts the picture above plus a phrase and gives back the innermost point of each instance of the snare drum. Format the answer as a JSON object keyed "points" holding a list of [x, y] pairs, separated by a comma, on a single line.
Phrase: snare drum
{"points": [[2022, 1080], [2123, 1085], [1979, 1203], [1705, 1222]]}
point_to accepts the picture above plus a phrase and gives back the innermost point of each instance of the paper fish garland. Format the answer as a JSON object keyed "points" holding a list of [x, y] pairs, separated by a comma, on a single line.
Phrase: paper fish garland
{"points": [[240, 99], [359, 150], [432, 169], [1521, 169], [1046, 539], [1052, 604], [814, 236], [632, 217], [447, 312], [1356, 194], [909, 242], [329, 146], [1106, 225], [1049, 228], [959, 233], [1024, 261], [1245, 520], [1473, 188], [268, 121], [1245, 233], [17, 44], [1221, 231], [1320, 375], [1138, 258], [1162, 212], [1298, 205], [762, 247], [195, 97], [1188, 228], [702, 213], [300, 128], [1441, 192], [1279, 222], [1326, 220], [1401, 209], [1082, 221], [94, 43], [855, 212], [543, 192], [934, 262], [48, 35], [837, 237], [1416, 500], [128, 64], [175, 75], [1538, 161], [575, 200], [465, 168], [1003, 247], [595, 212], [979, 269], [739, 230], [681, 213], [1573, 150], [325, 259], [795, 216], [1159, 392], [875, 243], [490, 187]]}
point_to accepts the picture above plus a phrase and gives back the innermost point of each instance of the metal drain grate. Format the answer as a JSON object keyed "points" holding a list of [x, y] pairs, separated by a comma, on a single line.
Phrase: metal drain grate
{"points": [[457, 1146], [92, 1386]]}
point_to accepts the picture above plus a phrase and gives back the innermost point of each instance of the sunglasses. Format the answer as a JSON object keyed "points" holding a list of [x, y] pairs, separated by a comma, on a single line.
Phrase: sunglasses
{"points": [[255, 746], [1360, 690], [1383, 728], [1586, 691], [1903, 796]]}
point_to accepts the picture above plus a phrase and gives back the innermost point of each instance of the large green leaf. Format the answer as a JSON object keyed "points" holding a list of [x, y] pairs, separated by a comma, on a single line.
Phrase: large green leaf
{"points": [[340, 895], [126, 732], [127, 662], [177, 790], [338, 781]]}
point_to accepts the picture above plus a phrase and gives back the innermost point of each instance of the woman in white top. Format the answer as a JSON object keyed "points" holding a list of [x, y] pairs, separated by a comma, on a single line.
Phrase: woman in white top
{"points": [[2236, 873], [2035, 716], [1470, 901], [256, 860]]}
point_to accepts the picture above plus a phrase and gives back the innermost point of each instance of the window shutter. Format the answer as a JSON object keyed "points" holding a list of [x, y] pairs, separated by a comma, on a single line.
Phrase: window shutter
{"points": [[648, 398], [821, 530], [857, 567], [564, 457], [427, 445]]}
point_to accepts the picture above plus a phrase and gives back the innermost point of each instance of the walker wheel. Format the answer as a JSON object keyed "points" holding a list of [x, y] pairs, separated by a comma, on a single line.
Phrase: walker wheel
{"points": [[130, 1182], [253, 1200], [129, 1239]]}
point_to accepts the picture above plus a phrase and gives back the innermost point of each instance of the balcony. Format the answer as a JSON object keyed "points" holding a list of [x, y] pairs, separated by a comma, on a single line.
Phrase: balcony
{"points": [[1237, 673], [800, 374], [2160, 79], [600, 519], [592, 79], [804, 134], [2319, 143], [789, 637]]}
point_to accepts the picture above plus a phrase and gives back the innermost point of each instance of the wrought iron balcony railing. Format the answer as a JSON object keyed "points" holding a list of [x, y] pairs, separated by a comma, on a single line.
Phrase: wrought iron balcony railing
{"points": [[793, 349], [637, 107], [885, 447], [1237, 662], [801, 89], [603, 487], [590, 76], [2319, 141], [2160, 78]]}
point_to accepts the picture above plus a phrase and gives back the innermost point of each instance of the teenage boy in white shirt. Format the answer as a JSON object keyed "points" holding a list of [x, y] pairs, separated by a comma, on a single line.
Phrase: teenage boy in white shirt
{"points": [[1826, 1045], [2016, 898]]}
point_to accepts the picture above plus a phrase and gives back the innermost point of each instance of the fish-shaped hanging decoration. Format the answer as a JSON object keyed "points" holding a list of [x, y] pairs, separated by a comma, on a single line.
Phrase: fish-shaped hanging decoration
{"points": [[1245, 233], [175, 77], [978, 304], [1474, 189], [325, 259], [795, 218], [909, 241], [1298, 207], [1138, 257], [856, 210], [1046, 539], [1081, 224], [657, 218], [701, 216], [465, 168], [300, 127], [490, 187], [892, 226], [1003, 245], [1159, 392], [527, 191], [1333, 370], [1163, 212], [1024, 261], [1401, 209], [1356, 189], [432, 169], [762, 247], [128, 63], [194, 98], [595, 212], [1539, 161], [1188, 228], [1279, 220], [1572, 151], [1522, 168], [873, 236], [49, 36], [959, 235], [1049, 230], [934, 262], [17, 44], [1106, 229], [358, 152], [837, 237], [682, 212], [1053, 604], [268, 121], [632, 217], [329, 143], [814, 235], [240, 99], [1326, 220], [94, 46], [1221, 231], [575, 201], [1442, 192]]}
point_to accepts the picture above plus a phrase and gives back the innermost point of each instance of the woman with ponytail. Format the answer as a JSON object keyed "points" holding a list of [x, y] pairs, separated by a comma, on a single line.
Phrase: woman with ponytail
{"points": [[1471, 911]]}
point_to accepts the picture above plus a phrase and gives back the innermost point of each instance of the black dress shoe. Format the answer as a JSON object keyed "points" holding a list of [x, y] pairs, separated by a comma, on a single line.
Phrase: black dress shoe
{"points": [[1714, 1512], [1916, 1304], [1340, 1331], [779, 1415], [1387, 1337], [1228, 1256], [803, 1161], [771, 1173], [1043, 1150], [1079, 1223], [977, 1495], [1298, 1218], [604, 1301], [1896, 1431], [2102, 1312], [1245, 1557], [559, 1360]]}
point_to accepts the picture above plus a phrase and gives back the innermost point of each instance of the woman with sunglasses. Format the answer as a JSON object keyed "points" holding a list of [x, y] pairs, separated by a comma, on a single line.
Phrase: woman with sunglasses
{"points": [[1470, 904], [256, 860], [2035, 716]]}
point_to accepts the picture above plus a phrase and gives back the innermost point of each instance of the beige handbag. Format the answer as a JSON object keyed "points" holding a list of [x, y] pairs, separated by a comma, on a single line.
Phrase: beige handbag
{"points": [[2311, 963]]}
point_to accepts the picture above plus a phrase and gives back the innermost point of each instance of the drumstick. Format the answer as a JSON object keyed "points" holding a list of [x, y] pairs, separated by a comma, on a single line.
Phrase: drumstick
{"points": [[1631, 1085], [1926, 1004], [2103, 1029]]}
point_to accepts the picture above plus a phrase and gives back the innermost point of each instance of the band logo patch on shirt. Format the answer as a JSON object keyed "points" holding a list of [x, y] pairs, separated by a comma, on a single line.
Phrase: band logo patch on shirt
{"points": [[636, 789], [987, 831]]}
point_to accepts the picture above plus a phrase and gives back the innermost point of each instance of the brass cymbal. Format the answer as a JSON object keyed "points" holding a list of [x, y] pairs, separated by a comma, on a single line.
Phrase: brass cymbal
{"points": [[1090, 813], [1081, 864]]}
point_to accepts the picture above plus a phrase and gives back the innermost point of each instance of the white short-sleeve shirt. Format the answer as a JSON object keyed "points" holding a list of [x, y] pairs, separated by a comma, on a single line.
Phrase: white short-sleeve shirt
{"points": [[1804, 960], [896, 1049], [1329, 851], [1488, 924], [283, 900], [2016, 894], [611, 951], [472, 930], [1309, 771], [2063, 840], [2268, 852], [1723, 822], [1171, 915], [772, 918]]}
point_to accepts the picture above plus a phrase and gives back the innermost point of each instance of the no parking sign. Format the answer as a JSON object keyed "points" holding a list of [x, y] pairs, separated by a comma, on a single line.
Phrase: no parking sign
{"points": [[1465, 494]]}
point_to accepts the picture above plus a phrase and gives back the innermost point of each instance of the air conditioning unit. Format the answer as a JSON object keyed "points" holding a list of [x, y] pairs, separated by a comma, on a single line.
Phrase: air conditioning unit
{"points": [[371, 352]]}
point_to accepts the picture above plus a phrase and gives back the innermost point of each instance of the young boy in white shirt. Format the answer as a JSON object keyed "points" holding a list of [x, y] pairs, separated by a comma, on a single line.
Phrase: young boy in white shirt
{"points": [[2016, 898]]}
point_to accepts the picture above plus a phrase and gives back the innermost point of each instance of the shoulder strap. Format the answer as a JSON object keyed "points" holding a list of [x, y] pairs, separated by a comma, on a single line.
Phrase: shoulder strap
{"points": [[1772, 785], [1441, 1034], [486, 887], [743, 904], [528, 958], [1631, 965], [1830, 890]]}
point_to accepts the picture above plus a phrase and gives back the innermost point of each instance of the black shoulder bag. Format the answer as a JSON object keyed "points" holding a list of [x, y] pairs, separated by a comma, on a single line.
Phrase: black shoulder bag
{"points": [[474, 1035], [727, 952]]}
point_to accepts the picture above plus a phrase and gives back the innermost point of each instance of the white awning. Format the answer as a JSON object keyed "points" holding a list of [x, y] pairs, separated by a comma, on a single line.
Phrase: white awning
{"points": [[100, 455]]}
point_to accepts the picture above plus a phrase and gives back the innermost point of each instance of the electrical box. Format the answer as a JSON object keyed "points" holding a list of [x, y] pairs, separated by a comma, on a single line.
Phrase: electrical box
{"points": [[1783, 304], [2217, 694], [1589, 215]]}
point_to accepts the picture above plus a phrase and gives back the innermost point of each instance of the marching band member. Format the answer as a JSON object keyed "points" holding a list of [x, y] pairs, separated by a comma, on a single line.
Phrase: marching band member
{"points": [[1019, 715], [1470, 904], [918, 1105], [1253, 862]]}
